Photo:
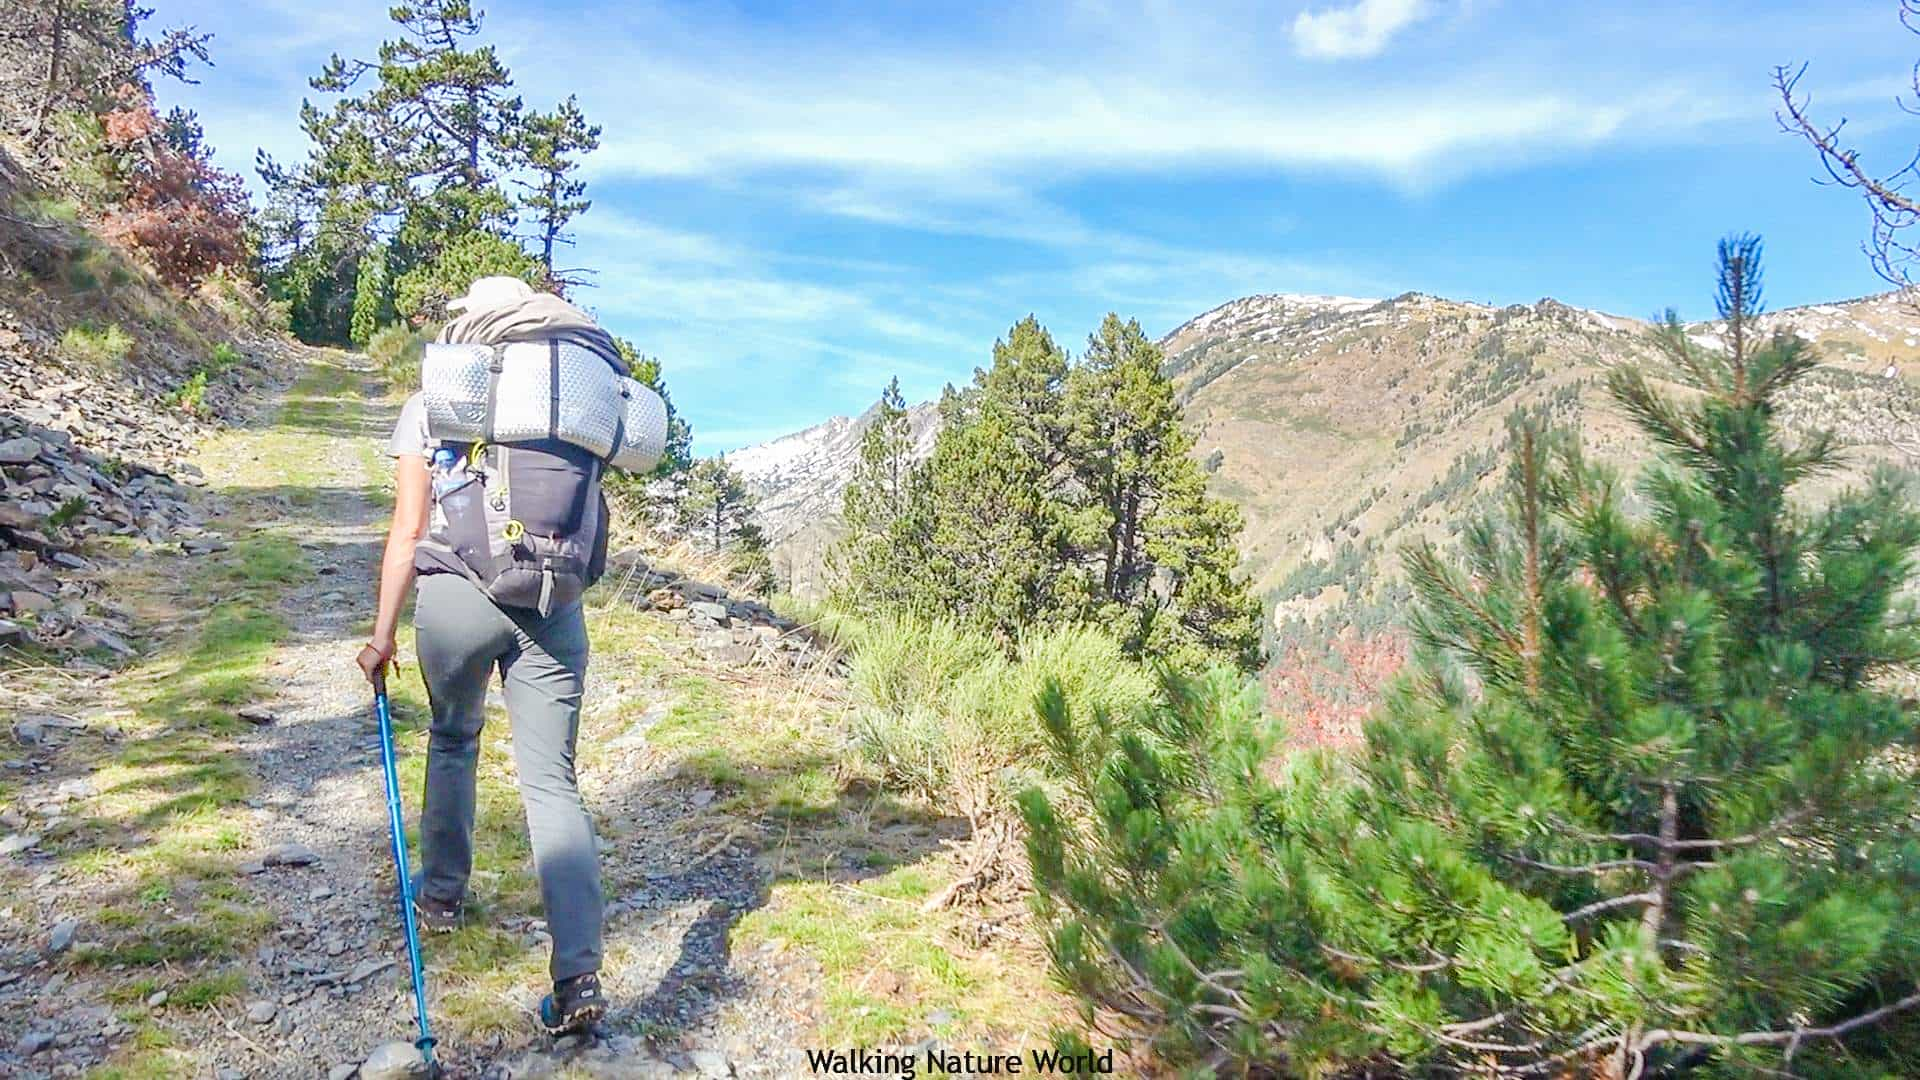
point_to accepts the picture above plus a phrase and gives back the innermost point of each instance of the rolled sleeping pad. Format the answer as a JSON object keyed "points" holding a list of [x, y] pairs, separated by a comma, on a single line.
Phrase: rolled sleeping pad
{"points": [[546, 390]]}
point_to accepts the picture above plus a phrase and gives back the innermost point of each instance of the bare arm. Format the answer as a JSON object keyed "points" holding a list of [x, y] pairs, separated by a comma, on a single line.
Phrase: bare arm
{"points": [[396, 566]]}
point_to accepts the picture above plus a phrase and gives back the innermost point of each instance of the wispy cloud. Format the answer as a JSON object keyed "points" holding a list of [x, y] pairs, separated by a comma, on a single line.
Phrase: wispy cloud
{"points": [[1361, 30]]}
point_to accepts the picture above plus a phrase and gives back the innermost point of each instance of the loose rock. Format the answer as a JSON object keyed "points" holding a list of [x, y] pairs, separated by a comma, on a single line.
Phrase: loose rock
{"points": [[291, 855], [19, 451], [18, 842], [367, 969], [394, 1061], [33, 1042]]}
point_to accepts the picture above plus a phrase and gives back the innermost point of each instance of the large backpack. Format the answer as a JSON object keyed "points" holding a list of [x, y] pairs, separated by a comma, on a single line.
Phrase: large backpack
{"points": [[539, 421]]}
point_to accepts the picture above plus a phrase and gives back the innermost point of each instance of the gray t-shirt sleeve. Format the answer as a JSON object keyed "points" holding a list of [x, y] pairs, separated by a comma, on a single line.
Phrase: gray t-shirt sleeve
{"points": [[410, 433]]}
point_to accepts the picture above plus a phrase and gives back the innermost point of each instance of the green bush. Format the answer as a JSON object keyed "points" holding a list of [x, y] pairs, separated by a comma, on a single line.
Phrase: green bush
{"points": [[102, 347], [49, 210], [190, 396], [395, 350], [224, 357]]}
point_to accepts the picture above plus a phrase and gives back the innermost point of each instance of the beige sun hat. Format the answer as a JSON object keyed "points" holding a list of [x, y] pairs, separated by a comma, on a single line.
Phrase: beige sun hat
{"points": [[490, 292]]}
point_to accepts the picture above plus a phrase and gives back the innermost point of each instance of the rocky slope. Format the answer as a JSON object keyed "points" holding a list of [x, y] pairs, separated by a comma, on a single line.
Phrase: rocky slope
{"points": [[107, 380]]}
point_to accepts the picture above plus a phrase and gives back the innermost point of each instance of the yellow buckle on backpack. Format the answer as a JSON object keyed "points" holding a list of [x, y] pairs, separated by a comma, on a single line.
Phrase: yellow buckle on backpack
{"points": [[513, 530]]}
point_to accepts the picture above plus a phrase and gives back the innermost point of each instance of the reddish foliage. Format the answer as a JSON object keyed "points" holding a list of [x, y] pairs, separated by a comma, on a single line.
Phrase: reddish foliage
{"points": [[188, 216], [1325, 693]]}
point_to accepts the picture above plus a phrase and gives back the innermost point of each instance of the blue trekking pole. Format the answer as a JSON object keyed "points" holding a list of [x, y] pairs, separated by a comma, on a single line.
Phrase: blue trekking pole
{"points": [[397, 827]]}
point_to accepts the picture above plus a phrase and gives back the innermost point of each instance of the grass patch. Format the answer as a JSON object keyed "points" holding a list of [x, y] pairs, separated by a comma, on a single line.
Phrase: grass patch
{"points": [[103, 348], [890, 970], [205, 990], [49, 210], [212, 930]]}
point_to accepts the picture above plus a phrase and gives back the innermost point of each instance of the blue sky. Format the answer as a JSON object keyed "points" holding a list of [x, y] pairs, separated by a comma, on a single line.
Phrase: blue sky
{"points": [[795, 201]]}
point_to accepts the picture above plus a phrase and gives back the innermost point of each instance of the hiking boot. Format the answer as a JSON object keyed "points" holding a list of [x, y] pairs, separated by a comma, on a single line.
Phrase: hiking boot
{"points": [[573, 1006], [436, 916]]}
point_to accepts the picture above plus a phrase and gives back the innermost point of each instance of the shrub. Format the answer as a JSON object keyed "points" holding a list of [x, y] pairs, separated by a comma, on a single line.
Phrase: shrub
{"points": [[1177, 896], [190, 396], [67, 512], [423, 291], [188, 216], [101, 347], [395, 350], [947, 715], [48, 210], [224, 357]]}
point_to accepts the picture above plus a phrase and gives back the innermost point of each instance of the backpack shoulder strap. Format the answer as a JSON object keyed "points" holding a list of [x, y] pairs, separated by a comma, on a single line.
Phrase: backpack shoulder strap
{"points": [[553, 388]]}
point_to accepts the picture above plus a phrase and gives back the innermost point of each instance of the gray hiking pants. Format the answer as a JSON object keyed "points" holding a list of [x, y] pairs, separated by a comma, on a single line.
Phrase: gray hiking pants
{"points": [[462, 637]]}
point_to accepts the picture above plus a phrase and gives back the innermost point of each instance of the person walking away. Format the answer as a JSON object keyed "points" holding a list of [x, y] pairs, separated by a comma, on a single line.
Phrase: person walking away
{"points": [[463, 636]]}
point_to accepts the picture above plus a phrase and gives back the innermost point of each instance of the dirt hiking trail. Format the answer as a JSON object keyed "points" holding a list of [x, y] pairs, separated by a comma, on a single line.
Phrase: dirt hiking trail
{"points": [[205, 889]]}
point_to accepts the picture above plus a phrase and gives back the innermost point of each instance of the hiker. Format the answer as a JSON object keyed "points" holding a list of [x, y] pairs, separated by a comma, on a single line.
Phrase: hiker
{"points": [[464, 632]]}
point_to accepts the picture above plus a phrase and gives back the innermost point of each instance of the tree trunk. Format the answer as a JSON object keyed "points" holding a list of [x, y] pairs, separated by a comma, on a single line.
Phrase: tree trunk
{"points": [[55, 53], [473, 138], [551, 227]]}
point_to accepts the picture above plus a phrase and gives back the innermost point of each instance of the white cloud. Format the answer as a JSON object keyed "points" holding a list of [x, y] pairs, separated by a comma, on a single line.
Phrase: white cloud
{"points": [[1353, 32]]}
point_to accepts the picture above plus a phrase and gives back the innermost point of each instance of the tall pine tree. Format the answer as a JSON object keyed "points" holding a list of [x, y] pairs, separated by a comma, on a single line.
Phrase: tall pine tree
{"points": [[871, 562], [412, 161], [1160, 553], [716, 513], [991, 547], [550, 145]]}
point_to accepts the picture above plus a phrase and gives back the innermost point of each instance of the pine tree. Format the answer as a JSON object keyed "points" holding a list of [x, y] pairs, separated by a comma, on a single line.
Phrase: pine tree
{"points": [[432, 128], [372, 297], [412, 157], [1161, 552], [716, 511], [990, 548], [872, 564], [549, 144], [88, 49], [1646, 803]]}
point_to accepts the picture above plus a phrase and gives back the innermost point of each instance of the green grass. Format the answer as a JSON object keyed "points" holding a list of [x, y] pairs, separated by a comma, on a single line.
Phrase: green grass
{"points": [[213, 930], [67, 513], [49, 210], [781, 757], [205, 990], [887, 966], [103, 348]]}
